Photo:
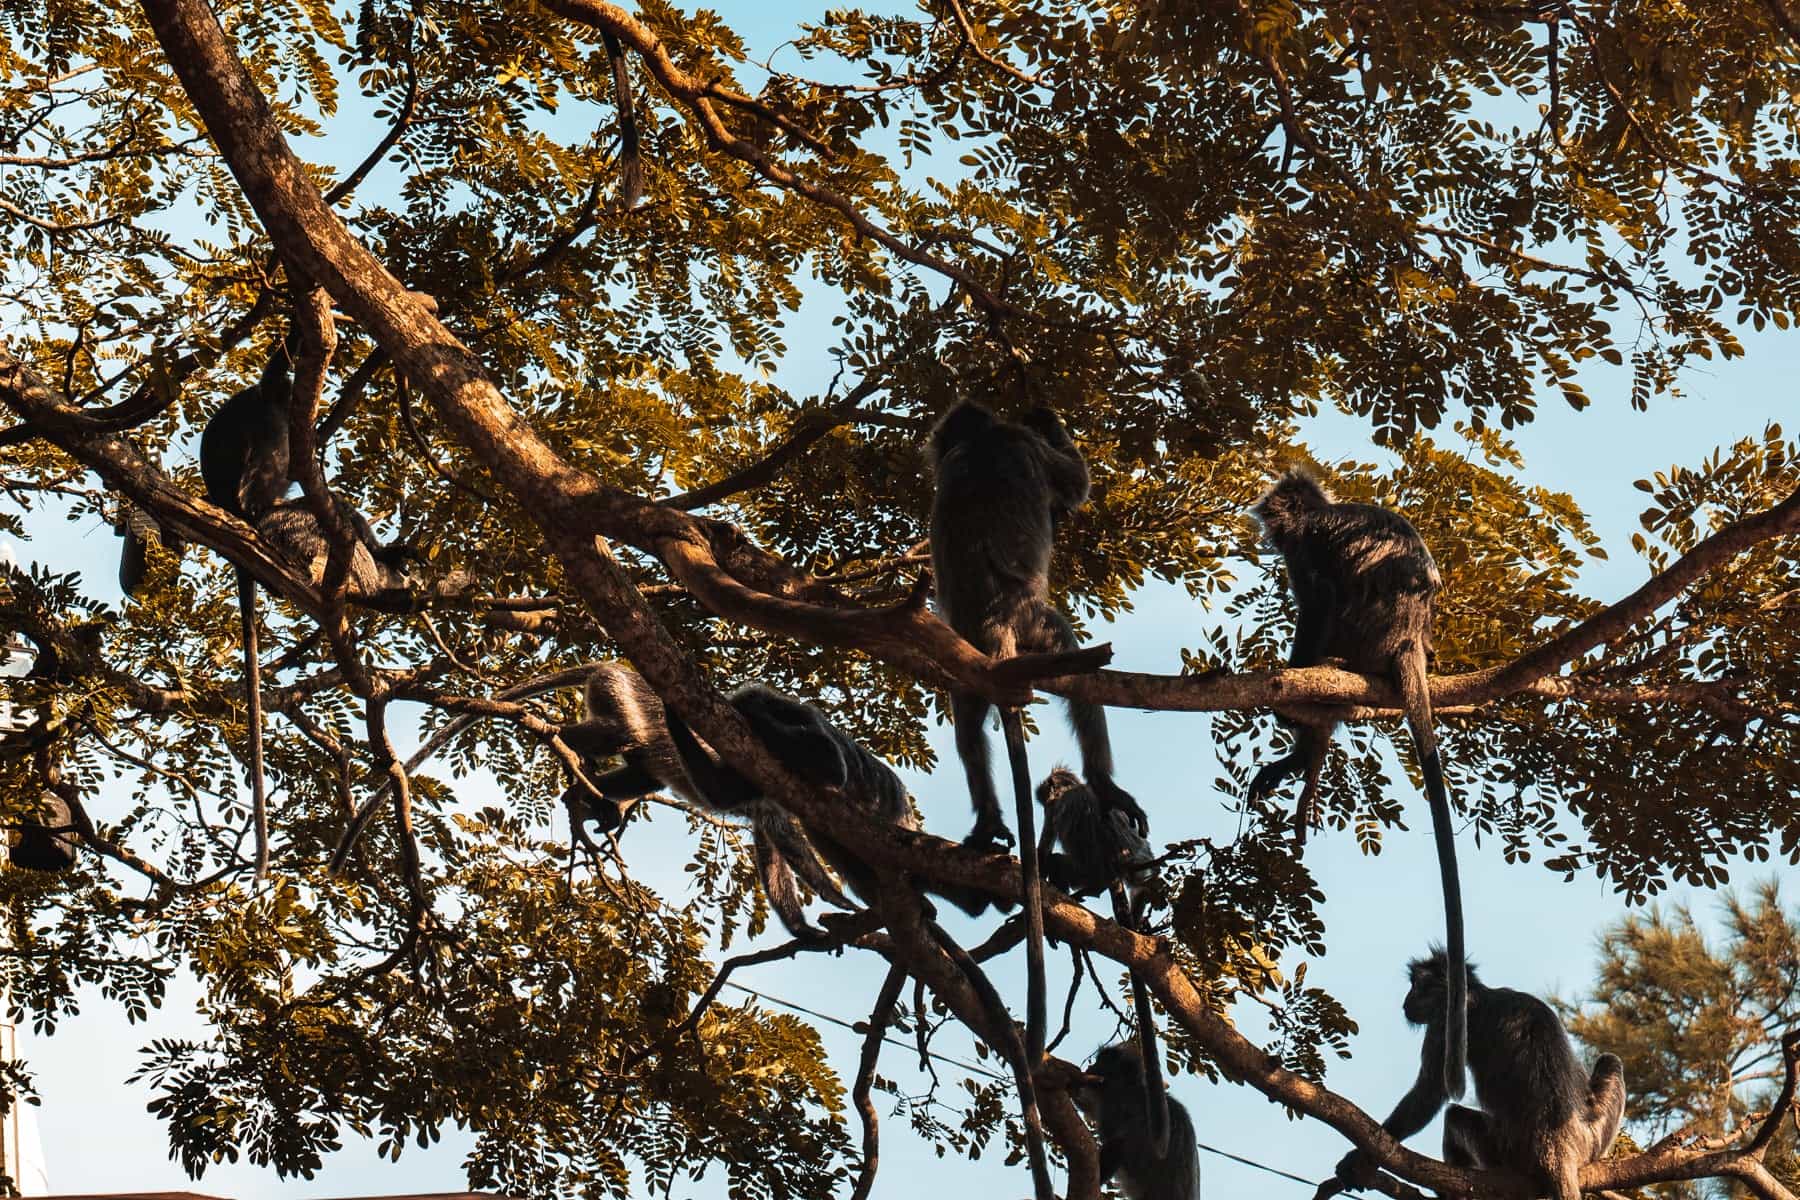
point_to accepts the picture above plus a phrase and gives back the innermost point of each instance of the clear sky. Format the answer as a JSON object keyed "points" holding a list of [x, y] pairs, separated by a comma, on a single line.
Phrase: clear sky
{"points": [[1527, 927]]}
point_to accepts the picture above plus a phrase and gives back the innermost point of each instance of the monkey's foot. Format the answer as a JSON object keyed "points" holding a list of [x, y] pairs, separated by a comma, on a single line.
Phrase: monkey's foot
{"points": [[1120, 800], [989, 835], [1269, 778]]}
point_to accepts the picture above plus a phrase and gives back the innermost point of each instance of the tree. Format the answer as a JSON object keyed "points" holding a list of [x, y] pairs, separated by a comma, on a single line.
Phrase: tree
{"points": [[1707, 1033], [1186, 226]]}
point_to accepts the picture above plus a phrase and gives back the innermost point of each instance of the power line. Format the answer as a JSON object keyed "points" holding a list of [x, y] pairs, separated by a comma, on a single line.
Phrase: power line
{"points": [[1251, 1162], [974, 1068], [981, 1070]]}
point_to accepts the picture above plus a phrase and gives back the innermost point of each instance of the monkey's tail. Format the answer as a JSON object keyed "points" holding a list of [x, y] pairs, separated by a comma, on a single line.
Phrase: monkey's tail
{"points": [[1035, 1003], [259, 797], [631, 160], [1024, 1079], [1416, 692], [1156, 1095]]}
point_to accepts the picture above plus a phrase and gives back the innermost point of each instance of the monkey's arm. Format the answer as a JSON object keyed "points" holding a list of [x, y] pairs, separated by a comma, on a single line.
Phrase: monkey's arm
{"points": [[1047, 842], [1416, 1108], [626, 782], [1063, 465], [718, 785], [1316, 601]]}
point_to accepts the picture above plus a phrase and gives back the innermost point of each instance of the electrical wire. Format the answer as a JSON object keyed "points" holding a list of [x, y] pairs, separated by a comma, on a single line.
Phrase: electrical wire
{"points": [[980, 1070]]}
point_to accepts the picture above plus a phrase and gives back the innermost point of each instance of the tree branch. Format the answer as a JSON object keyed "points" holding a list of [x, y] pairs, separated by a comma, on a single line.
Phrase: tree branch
{"points": [[874, 1033], [698, 97]]}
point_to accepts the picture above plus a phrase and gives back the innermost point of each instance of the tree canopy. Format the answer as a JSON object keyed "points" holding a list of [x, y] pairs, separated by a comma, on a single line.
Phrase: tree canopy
{"points": [[1705, 1027], [1188, 227]]}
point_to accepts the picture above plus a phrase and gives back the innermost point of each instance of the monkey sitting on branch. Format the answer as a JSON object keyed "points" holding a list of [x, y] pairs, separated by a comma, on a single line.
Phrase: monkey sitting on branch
{"points": [[1542, 1115], [1102, 851], [244, 463], [47, 839], [1112, 1095], [1364, 585]]}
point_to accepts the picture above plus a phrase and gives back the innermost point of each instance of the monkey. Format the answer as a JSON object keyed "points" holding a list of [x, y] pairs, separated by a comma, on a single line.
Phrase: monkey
{"points": [[1363, 583], [1002, 491], [624, 717], [47, 840], [292, 528], [1102, 851], [1111, 1094], [1100, 845], [631, 161], [244, 464], [1541, 1113]]}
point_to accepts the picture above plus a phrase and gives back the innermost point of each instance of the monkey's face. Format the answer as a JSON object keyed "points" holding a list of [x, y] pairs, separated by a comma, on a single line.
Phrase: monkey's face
{"points": [[1424, 1000], [1056, 785]]}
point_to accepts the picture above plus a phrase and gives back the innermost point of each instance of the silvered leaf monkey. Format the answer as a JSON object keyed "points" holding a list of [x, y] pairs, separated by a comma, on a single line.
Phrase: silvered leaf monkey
{"points": [[244, 463], [1363, 584], [1542, 1114]]}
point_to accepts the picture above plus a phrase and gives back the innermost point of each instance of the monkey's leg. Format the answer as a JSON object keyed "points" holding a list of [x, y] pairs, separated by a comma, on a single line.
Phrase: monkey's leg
{"points": [[1468, 1137], [1036, 1003], [778, 885], [969, 714], [1306, 812], [259, 799], [1051, 631], [1156, 1095]]}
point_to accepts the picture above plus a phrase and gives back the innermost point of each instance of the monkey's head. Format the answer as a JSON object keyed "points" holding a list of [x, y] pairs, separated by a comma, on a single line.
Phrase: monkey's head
{"points": [[583, 805], [1056, 785], [963, 423], [1283, 508], [619, 701], [1117, 1071], [1424, 1001]]}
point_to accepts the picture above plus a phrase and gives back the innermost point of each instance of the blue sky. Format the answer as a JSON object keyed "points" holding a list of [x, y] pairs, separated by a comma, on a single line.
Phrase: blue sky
{"points": [[1527, 927]]}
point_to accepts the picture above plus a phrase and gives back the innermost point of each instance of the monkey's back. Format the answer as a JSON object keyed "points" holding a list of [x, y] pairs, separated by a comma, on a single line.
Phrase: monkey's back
{"points": [[1386, 576], [1526, 1074], [244, 452], [636, 726], [294, 532], [993, 505], [798, 734], [1141, 1175]]}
